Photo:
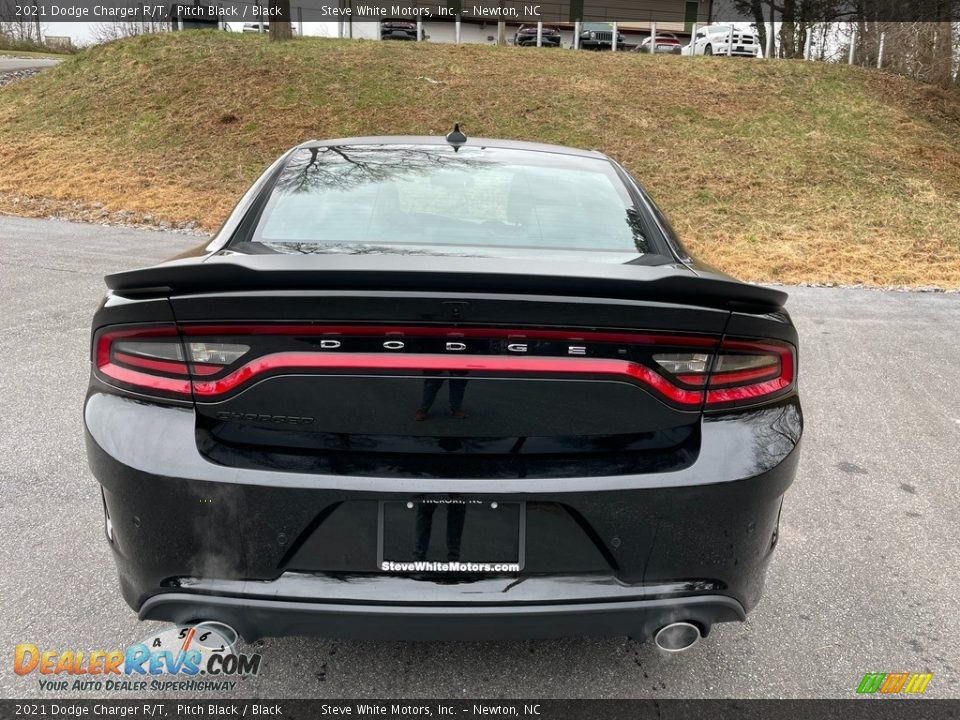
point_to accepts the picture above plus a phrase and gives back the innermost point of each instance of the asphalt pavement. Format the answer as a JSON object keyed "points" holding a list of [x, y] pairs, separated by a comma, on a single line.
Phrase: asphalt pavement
{"points": [[864, 578], [11, 63]]}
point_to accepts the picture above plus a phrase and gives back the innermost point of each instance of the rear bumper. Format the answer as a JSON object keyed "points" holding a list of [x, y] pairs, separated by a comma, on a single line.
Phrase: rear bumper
{"points": [[256, 617], [289, 552], [532, 41]]}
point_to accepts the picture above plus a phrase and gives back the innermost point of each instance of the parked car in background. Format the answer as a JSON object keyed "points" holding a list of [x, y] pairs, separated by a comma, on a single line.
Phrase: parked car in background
{"points": [[527, 35], [714, 39], [399, 30], [599, 36], [256, 28], [667, 43]]}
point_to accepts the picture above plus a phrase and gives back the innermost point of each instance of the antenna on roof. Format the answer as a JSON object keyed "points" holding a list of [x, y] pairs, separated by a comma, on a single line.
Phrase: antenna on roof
{"points": [[456, 138]]}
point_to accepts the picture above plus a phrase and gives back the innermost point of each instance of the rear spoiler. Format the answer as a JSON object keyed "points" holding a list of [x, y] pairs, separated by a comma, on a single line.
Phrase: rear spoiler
{"points": [[239, 273]]}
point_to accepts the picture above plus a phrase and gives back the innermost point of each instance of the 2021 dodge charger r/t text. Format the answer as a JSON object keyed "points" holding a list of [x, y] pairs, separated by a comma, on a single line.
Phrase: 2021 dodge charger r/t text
{"points": [[443, 388]]}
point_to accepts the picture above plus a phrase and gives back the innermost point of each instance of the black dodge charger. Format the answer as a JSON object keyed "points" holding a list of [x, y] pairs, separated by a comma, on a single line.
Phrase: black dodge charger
{"points": [[442, 388]]}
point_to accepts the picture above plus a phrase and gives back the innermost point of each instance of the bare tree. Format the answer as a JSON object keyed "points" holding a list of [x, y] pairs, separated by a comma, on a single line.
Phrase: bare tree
{"points": [[925, 51], [23, 31], [108, 31], [794, 17]]}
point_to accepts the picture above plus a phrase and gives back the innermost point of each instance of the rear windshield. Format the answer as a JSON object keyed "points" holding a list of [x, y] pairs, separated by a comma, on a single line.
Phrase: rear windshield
{"points": [[417, 198]]}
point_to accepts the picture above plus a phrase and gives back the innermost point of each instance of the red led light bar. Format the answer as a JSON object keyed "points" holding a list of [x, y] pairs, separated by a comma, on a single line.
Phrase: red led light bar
{"points": [[442, 363]]}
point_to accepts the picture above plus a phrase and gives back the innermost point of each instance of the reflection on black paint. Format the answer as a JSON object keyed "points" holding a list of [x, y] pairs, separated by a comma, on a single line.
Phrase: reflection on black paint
{"points": [[424, 526], [457, 388], [451, 531]]}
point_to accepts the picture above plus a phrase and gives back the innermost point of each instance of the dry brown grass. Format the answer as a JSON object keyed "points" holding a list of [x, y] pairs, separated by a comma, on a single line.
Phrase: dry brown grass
{"points": [[785, 171]]}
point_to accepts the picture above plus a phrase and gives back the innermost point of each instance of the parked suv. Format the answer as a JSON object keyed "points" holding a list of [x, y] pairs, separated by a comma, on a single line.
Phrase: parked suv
{"points": [[713, 40], [599, 36]]}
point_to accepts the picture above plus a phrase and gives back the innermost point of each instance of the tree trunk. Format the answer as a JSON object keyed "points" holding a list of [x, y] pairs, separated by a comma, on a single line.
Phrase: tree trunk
{"points": [[280, 28], [759, 22]]}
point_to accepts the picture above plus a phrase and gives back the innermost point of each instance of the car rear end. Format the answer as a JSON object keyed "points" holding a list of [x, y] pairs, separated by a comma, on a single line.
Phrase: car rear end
{"points": [[664, 45], [667, 46], [527, 36], [384, 446], [398, 30]]}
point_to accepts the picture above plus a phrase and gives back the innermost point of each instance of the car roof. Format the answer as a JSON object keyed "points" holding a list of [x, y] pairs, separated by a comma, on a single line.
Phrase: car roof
{"points": [[471, 142]]}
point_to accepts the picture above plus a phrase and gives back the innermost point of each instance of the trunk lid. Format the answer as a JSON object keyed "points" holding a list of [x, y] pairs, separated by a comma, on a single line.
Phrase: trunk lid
{"points": [[436, 367]]}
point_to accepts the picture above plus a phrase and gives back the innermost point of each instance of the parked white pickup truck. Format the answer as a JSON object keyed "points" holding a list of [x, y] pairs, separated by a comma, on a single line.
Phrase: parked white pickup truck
{"points": [[714, 39]]}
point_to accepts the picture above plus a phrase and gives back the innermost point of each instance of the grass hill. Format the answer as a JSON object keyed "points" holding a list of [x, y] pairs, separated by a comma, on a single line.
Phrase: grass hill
{"points": [[774, 171]]}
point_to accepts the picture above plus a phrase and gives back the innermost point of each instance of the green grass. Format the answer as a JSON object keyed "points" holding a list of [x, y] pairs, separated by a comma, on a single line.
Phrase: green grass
{"points": [[774, 171]]}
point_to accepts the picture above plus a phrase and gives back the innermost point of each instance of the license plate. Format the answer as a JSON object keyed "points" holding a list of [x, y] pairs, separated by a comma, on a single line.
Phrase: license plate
{"points": [[740, 48], [451, 536]]}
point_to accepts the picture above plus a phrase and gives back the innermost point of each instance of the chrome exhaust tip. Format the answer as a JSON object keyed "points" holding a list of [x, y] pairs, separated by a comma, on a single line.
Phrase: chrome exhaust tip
{"points": [[677, 637]]}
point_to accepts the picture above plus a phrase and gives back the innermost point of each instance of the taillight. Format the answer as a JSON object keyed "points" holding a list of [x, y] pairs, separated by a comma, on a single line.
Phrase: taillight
{"points": [[208, 362], [153, 360], [146, 359], [741, 371], [747, 370]]}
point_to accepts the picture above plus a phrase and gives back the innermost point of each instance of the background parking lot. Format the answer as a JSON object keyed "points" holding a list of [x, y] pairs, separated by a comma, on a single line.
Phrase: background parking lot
{"points": [[863, 580]]}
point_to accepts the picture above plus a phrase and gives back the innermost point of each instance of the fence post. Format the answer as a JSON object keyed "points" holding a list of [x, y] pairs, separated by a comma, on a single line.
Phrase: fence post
{"points": [[539, 33], [853, 45], [653, 37], [576, 35], [693, 40], [456, 30], [806, 48], [299, 21], [419, 28], [613, 40], [771, 50], [883, 37]]}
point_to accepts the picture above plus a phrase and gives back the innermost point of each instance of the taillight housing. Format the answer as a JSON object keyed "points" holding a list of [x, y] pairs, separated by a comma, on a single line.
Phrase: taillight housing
{"points": [[211, 362], [154, 359], [739, 372]]}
